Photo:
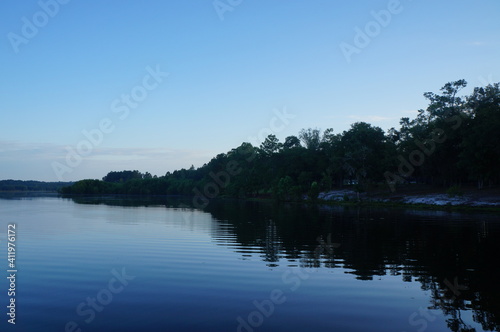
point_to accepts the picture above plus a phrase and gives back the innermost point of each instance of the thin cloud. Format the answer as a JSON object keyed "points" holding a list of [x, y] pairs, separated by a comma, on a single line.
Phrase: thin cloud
{"points": [[37, 158], [370, 118], [46, 151], [414, 112]]}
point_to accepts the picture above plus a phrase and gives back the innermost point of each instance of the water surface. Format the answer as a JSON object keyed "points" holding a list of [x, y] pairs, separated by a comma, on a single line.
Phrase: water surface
{"points": [[157, 264]]}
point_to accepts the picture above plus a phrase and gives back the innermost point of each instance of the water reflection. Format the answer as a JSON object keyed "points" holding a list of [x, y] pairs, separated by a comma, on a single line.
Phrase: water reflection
{"points": [[452, 255]]}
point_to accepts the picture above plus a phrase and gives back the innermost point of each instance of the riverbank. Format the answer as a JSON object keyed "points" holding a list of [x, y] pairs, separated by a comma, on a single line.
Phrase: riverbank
{"points": [[415, 194]]}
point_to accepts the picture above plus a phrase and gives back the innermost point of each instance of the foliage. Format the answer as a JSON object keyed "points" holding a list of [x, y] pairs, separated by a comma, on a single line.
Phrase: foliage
{"points": [[314, 191], [123, 176], [310, 138], [454, 191], [455, 140]]}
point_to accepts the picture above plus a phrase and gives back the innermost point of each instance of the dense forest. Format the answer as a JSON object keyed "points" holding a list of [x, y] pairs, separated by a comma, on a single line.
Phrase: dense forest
{"points": [[19, 185], [454, 141]]}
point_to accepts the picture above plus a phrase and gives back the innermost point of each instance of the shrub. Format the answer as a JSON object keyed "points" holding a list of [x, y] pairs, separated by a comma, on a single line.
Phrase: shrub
{"points": [[454, 191]]}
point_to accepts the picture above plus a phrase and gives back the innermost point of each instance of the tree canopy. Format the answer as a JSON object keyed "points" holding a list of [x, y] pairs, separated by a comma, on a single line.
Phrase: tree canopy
{"points": [[455, 140]]}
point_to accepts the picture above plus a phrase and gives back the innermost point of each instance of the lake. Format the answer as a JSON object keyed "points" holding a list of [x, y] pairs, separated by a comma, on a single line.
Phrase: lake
{"points": [[158, 264]]}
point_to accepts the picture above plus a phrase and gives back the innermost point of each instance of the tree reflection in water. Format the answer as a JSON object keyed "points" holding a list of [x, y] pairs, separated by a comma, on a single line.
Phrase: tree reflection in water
{"points": [[452, 255]]}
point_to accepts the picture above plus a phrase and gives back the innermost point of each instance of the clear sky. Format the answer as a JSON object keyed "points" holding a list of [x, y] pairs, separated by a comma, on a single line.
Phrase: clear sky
{"points": [[161, 85]]}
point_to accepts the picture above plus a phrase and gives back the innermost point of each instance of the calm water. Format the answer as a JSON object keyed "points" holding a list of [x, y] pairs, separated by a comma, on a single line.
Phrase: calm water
{"points": [[160, 265]]}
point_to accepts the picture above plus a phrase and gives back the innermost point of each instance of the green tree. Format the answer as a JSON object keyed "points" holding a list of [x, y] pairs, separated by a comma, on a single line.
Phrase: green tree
{"points": [[310, 138], [430, 143], [291, 142], [367, 152], [314, 191], [270, 145], [122, 176], [284, 189], [480, 155]]}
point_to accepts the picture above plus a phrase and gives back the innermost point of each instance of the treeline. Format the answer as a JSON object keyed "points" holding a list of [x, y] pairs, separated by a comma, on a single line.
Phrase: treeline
{"points": [[455, 141], [18, 185]]}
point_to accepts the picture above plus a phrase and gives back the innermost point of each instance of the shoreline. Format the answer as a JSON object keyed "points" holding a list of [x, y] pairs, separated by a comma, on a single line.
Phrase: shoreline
{"points": [[435, 200], [417, 196]]}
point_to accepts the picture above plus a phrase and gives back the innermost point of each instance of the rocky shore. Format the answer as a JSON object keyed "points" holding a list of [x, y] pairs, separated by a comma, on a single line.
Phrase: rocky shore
{"points": [[471, 198]]}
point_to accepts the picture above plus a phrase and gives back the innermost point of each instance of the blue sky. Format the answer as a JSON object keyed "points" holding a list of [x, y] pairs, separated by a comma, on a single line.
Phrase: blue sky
{"points": [[208, 75]]}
